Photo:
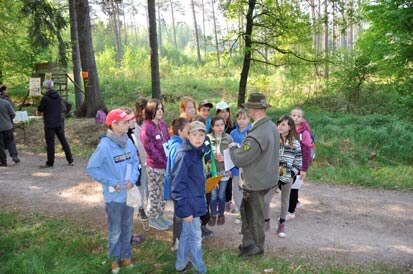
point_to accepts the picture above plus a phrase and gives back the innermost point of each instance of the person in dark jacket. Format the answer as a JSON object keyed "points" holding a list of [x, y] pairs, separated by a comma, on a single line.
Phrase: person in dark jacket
{"points": [[188, 194], [7, 115], [51, 107]]}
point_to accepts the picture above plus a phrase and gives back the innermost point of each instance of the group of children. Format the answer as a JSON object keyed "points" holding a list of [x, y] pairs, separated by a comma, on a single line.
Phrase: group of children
{"points": [[173, 164]]}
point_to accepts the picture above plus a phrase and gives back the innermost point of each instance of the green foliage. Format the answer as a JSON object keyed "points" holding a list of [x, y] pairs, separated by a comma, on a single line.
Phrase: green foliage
{"points": [[372, 150], [41, 244]]}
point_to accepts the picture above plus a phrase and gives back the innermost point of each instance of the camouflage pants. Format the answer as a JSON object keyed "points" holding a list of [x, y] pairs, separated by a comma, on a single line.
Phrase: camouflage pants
{"points": [[156, 183]]}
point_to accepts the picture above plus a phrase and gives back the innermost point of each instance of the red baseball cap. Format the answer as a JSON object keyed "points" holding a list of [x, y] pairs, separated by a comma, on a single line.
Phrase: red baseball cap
{"points": [[117, 115]]}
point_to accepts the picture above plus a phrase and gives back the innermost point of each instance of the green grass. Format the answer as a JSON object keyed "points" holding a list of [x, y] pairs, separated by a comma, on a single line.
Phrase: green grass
{"points": [[40, 244]]}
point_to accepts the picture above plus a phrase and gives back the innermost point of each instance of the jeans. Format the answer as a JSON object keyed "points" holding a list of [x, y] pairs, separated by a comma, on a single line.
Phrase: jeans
{"points": [[190, 246], [120, 224], [218, 196], [49, 135]]}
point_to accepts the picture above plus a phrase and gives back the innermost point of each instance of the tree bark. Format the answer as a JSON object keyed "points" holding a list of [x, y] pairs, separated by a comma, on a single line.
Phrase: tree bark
{"points": [[215, 32], [173, 23], [93, 97], [153, 42], [247, 53], [198, 50], [159, 29], [75, 55]]}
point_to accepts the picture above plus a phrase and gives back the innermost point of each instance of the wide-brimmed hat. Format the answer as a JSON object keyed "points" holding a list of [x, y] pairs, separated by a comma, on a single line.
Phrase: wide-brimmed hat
{"points": [[256, 101]]}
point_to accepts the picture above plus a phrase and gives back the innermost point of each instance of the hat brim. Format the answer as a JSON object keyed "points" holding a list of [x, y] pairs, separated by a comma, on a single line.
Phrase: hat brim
{"points": [[256, 106]]}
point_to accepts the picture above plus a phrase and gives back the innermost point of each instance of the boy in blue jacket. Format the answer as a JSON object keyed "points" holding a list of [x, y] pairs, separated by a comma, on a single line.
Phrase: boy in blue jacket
{"points": [[115, 165], [188, 193]]}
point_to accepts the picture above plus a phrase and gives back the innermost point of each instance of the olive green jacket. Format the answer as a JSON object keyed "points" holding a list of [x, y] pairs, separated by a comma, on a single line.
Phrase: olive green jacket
{"points": [[258, 156]]}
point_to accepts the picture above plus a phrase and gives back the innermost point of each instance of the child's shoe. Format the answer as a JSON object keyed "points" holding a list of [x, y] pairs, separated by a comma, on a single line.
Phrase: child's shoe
{"points": [[299, 205], [206, 232], [290, 216], [115, 267], [142, 214], [221, 220], [165, 221], [281, 230], [212, 220], [127, 263], [156, 223]]}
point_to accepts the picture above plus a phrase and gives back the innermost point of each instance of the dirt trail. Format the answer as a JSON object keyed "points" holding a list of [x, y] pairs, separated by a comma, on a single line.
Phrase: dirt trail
{"points": [[339, 224]]}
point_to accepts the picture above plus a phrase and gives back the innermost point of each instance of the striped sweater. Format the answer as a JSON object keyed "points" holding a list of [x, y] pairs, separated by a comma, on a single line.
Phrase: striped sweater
{"points": [[290, 161]]}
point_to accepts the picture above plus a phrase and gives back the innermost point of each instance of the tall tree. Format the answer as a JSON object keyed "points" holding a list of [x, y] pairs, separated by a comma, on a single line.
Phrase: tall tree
{"points": [[198, 49], [111, 8], [173, 22], [214, 19], [247, 53], [75, 54], [93, 96], [153, 42]]}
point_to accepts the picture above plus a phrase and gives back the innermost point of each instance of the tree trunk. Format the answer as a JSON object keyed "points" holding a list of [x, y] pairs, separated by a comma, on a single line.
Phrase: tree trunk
{"points": [[75, 55], [159, 29], [215, 32], [198, 50], [204, 30], [173, 23], [153, 42], [93, 97], [326, 36], [247, 53]]}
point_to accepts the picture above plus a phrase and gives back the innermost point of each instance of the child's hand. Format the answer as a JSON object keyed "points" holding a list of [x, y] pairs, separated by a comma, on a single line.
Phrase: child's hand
{"points": [[118, 186], [188, 219], [303, 174], [129, 185]]}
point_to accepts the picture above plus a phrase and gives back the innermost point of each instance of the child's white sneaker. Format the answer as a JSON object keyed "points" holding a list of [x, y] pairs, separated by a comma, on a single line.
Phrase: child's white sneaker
{"points": [[299, 205], [290, 216]]}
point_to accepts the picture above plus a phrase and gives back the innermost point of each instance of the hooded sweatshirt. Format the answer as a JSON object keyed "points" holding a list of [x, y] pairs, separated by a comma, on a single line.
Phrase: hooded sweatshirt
{"points": [[173, 144], [51, 106]]}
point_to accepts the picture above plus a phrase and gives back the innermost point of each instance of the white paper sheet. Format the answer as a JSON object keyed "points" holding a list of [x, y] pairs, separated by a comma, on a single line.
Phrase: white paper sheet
{"points": [[227, 160]]}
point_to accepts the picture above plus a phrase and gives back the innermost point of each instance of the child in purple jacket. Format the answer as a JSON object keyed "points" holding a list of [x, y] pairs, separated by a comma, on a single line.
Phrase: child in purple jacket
{"points": [[154, 136]]}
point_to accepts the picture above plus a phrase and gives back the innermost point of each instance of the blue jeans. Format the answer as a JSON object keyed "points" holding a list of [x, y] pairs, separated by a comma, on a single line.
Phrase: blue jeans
{"points": [[218, 196], [190, 246], [120, 224]]}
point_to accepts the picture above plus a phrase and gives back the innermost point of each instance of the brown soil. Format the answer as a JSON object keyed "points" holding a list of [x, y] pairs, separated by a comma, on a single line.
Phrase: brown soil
{"points": [[337, 224]]}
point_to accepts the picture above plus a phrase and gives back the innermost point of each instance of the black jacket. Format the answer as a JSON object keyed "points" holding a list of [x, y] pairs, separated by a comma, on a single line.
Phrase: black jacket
{"points": [[51, 106]]}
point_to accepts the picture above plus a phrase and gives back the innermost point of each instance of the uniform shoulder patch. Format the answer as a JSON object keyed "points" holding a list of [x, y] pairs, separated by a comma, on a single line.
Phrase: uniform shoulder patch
{"points": [[246, 146]]}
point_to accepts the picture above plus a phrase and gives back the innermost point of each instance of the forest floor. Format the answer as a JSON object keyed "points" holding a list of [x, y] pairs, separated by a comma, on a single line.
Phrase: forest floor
{"points": [[337, 224]]}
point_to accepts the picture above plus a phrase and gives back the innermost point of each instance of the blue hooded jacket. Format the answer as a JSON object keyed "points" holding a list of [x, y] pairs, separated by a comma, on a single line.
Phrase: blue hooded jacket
{"points": [[238, 136], [188, 181], [173, 144], [107, 165]]}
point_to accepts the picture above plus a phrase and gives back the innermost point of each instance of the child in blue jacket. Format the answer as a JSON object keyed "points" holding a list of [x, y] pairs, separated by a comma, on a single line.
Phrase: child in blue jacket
{"points": [[188, 193], [115, 165]]}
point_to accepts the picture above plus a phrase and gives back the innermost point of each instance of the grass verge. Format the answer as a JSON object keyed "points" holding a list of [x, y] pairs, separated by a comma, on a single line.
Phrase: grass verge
{"points": [[40, 244]]}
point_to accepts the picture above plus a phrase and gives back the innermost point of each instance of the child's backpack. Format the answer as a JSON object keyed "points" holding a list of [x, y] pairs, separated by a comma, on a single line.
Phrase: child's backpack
{"points": [[313, 146], [100, 117]]}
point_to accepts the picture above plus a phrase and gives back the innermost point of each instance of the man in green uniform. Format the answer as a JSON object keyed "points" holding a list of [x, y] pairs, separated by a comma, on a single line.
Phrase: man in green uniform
{"points": [[257, 157]]}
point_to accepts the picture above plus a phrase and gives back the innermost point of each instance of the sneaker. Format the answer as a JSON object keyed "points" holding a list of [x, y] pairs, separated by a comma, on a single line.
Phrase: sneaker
{"points": [[267, 225], [221, 220], [281, 230], [165, 221], [186, 269], [71, 164], [212, 220], [115, 267], [299, 205], [230, 207], [3, 164], [142, 214], [206, 232], [290, 216], [16, 160], [237, 219], [156, 223], [127, 263], [46, 166]]}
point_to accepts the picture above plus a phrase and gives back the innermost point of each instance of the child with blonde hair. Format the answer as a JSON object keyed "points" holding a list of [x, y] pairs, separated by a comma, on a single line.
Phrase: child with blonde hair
{"points": [[187, 108]]}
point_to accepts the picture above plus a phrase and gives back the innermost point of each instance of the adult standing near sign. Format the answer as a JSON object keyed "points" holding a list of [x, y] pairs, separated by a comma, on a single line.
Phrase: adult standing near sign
{"points": [[257, 157], [51, 107]]}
